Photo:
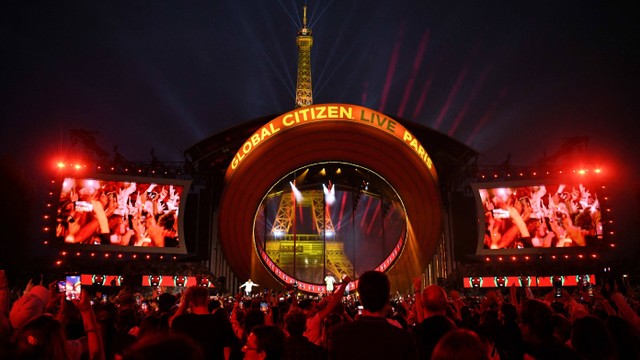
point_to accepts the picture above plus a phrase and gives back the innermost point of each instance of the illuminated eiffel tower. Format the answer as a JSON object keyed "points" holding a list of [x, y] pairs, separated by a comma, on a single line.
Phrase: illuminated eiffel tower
{"points": [[285, 245], [304, 93]]}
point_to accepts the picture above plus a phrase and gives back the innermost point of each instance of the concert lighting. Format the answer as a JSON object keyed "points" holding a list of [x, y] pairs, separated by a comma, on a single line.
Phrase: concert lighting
{"points": [[329, 193], [296, 192]]}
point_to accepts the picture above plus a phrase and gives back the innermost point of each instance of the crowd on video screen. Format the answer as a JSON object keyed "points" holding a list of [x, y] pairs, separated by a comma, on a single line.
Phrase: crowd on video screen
{"points": [[102, 212], [542, 216]]}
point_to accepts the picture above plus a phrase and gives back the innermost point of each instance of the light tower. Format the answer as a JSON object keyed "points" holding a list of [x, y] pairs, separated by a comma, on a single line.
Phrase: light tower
{"points": [[304, 94]]}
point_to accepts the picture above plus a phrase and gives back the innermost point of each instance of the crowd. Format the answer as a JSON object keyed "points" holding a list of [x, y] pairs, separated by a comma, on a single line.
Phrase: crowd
{"points": [[540, 216], [39, 323], [118, 213]]}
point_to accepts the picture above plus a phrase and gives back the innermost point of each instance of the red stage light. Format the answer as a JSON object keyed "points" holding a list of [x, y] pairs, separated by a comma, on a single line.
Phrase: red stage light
{"points": [[526, 258], [59, 262], [64, 253], [487, 259]]}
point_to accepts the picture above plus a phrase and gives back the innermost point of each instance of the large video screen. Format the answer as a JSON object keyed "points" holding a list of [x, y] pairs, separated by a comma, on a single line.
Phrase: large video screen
{"points": [[547, 215], [122, 213]]}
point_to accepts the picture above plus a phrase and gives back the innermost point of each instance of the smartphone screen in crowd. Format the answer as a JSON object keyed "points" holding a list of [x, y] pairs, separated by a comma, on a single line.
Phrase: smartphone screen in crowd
{"points": [[73, 287], [264, 306], [62, 287]]}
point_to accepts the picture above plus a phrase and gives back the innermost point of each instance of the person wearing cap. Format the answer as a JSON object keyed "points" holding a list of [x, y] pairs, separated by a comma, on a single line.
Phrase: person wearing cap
{"points": [[38, 334], [29, 306]]}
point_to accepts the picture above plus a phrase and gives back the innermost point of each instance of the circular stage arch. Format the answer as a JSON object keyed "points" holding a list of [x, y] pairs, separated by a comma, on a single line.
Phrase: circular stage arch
{"points": [[330, 133]]}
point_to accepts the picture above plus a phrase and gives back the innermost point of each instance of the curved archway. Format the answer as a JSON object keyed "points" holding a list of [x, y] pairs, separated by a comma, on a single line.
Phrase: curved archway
{"points": [[395, 156]]}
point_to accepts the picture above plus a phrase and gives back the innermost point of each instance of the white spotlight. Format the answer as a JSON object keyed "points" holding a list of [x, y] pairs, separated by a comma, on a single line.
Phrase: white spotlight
{"points": [[329, 193], [296, 192]]}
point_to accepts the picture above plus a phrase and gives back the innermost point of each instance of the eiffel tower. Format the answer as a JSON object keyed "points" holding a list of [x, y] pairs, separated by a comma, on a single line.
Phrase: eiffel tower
{"points": [[312, 252], [304, 94]]}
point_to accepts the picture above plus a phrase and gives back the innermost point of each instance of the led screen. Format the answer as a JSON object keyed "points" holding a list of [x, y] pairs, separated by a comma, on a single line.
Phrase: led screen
{"points": [[537, 216], [531, 281], [118, 213]]}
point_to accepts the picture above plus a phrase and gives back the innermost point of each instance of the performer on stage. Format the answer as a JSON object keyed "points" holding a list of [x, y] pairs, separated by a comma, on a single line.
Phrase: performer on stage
{"points": [[248, 286], [329, 281]]}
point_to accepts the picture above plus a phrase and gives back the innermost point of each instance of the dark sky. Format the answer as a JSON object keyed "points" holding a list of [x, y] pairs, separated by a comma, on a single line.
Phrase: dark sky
{"points": [[502, 77]]}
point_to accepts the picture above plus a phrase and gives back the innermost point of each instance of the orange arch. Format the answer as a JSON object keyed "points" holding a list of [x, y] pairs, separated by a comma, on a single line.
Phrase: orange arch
{"points": [[374, 147]]}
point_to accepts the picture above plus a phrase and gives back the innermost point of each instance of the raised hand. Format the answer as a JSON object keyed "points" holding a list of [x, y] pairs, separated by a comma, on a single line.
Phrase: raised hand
{"points": [[84, 303], [29, 286]]}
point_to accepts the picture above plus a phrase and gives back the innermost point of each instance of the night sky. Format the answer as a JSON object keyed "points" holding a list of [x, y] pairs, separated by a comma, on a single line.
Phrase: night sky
{"points": [[502, 77]]}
